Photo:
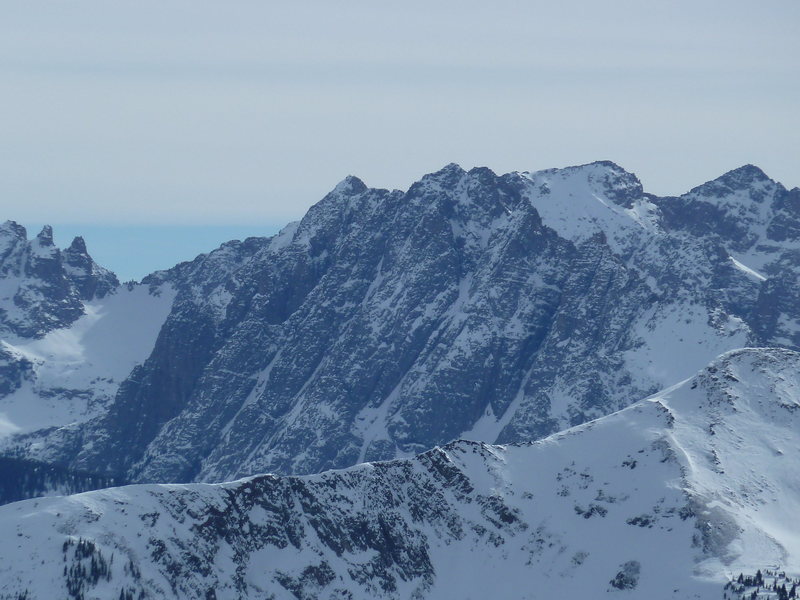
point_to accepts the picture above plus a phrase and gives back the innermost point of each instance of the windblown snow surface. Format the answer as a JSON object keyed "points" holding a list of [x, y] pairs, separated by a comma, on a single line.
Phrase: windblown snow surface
{"points": [[668, 498]]}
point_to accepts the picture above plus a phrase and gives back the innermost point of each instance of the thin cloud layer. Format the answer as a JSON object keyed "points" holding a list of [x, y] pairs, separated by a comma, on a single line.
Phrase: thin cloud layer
{"points": [[200, 113]]}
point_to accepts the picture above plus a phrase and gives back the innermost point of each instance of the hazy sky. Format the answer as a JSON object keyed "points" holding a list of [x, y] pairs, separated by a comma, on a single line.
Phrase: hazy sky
{"points": [[245, 113]]}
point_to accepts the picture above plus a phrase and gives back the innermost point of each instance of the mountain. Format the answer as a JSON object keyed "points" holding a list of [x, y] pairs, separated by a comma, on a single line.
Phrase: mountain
{"points": [[70, 335], [671, 497], [43, 287], [384, 323]]}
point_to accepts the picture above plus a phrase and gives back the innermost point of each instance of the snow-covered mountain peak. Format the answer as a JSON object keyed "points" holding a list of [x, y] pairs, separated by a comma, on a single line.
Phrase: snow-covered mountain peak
{"points": [[445, 178], [740, 204], [9, 225], [601, 197], [747, 178], [603, 177], [349, 186], [70, 333], [91, 280], [12, 235], [756, 219], [43, 288], [78, 245], [746, 192], [12, 229], [449, 169]]}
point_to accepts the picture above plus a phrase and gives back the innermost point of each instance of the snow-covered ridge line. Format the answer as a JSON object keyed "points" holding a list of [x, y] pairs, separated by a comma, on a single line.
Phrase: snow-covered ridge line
{"points": [[647, 502]]}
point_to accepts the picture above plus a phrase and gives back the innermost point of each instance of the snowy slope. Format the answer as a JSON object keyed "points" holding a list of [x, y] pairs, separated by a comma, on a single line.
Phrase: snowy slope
{"points": [[668, 498], [598, 198], [75, 370]]}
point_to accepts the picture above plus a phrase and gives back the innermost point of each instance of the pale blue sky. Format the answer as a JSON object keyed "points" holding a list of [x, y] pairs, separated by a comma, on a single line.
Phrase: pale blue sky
{"points": [[243, 114], [133, 251]]}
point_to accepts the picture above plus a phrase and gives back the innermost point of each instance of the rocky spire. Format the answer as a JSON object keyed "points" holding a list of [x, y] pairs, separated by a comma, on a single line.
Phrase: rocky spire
{"points": [[90, 279], [45, 237]]}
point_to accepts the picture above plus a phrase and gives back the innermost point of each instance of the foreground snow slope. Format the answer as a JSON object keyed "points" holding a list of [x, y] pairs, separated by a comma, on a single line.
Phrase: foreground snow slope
{"points": [[664, 499]]}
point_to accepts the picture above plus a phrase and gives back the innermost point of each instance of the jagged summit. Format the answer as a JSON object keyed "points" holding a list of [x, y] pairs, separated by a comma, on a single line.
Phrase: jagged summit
{"points": [[446, 177], [13, 228], [45, 236], [747, 179], [448, 170], [78, 245], [350, 186], [745, 175], [607, 165], [622, 186], [757, 216], [45, 287]]}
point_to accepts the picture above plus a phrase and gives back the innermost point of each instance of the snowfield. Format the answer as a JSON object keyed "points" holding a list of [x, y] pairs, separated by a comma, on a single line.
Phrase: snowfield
{"points": [[76, 370], [669, 498]]}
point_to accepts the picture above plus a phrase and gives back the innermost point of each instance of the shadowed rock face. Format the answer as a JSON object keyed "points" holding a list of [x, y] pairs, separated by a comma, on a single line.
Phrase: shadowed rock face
{"points": [[498, 308]]}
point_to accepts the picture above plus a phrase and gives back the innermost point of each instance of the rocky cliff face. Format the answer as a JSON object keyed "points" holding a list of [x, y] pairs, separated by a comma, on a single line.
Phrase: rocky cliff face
{"points": [[496, 308], [664, 499]]}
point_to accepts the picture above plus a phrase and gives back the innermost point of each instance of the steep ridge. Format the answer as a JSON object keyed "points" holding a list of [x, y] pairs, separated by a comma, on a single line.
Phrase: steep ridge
{"points": [[668, 498], [496, 308]]}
